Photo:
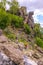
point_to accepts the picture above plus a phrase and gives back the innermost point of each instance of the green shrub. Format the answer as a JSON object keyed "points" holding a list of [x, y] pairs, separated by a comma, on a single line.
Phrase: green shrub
{"points": [[4, 19], [7, 19], [22, 40], [37, 29], [27, 28], [9, 34], [39, 42], [17, 21]]}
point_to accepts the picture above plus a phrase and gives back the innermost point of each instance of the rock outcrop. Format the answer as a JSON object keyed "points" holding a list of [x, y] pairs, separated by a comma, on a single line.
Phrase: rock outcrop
{"points": [[22, 11], [28, 18]]}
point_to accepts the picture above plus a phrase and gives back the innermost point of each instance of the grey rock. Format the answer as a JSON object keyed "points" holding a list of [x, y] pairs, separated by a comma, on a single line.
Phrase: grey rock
{"points": [[4, 60]]}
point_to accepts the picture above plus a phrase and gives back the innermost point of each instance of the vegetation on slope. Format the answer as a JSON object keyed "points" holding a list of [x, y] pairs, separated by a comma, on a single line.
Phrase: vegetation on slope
{"points": [[10, 18], [39, 42]]}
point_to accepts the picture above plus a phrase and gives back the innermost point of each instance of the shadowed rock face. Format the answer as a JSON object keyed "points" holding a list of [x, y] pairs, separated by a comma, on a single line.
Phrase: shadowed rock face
{"points": [[30, 14], [30, 20]]}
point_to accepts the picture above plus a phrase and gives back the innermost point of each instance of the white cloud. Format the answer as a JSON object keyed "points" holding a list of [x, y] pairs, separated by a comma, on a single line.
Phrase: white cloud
{"points": [[26, 1], [36, 13], [20, 0], [32, 4], [32, 0], [41, 24]]}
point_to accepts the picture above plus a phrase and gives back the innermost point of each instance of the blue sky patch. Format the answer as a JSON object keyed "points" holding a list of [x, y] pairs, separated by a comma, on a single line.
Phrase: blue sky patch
{"points": [[40, 18]]}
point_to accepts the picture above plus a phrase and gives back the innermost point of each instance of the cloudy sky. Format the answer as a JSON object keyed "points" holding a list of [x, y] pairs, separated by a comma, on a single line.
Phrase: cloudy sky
{"points": [[36, 6]]}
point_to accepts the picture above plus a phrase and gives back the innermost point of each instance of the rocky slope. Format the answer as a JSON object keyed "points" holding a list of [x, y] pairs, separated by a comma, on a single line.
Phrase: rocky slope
{"points": [[17, 54]]}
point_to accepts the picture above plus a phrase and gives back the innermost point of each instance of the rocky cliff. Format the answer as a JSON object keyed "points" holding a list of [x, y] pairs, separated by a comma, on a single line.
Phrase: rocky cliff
{"points": [[28, 18]]}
